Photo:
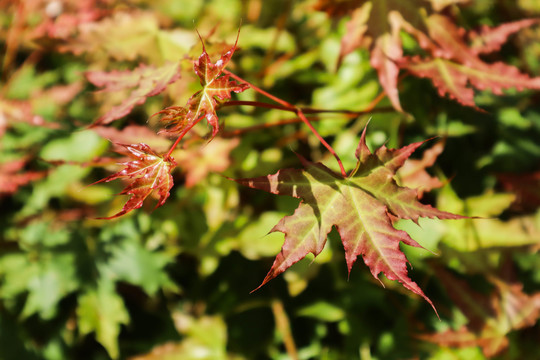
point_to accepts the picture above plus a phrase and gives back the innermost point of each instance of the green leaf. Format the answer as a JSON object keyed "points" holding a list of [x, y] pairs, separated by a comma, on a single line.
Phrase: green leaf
{"points": [[102, 311], [139, 266]]}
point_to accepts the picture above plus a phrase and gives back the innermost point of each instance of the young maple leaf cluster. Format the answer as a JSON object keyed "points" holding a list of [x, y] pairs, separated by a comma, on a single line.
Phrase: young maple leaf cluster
{"points": [[362, 206], [149, 171], [452, 55], [204, 103]]}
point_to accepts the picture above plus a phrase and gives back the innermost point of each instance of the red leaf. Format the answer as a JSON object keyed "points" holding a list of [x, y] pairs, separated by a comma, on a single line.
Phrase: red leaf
{"points": [[454, 68], [525, 186], [488, 40], [148, 172], [13, 176], [362, 207], [490, 317], [413, 172], [133, 134], [198, 162], [452, 65], [143, 82], [204, 102]]}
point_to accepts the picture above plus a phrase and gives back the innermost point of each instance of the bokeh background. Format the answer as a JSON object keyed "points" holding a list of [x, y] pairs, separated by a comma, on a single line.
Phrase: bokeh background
{"points": [[175, 282]]}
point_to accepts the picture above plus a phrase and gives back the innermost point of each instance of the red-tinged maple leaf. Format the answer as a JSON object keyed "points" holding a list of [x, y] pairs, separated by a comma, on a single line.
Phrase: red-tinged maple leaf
{"points": [[13, 176], [12, 111], [376, 25], [413, 173], [148, 172], [455, 69], [525, 186], [61, 19], [133, 134], [198, 161], [452, 64], [490, 317], [488, 40], [216, 89], [362, 206], [143, 82]]}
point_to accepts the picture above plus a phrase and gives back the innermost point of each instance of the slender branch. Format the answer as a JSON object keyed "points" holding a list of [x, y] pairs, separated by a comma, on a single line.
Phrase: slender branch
{"points": [[247, 129], [184, 132], [284, 327], [259, 90], [298, 111], [308, 110], [316, 133]]}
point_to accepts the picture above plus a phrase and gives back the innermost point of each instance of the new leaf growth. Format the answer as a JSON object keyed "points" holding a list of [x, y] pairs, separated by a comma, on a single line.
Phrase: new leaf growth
{"points": [[148, 172]]}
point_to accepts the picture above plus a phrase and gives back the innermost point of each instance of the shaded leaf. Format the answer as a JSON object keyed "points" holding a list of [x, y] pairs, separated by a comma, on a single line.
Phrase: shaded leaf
{"points": [[137, 265], [143, 82], [525, 186], [148, 172], [362, 207], [491, 317]]}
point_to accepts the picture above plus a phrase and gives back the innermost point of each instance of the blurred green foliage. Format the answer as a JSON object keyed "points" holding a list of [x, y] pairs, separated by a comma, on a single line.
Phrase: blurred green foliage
{"points": [[175, 282]]}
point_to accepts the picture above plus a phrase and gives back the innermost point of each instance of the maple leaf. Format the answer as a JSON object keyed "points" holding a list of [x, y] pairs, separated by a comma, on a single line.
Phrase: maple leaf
{"points": [[454, 68], [413, 173], [525, 186], [488, 39], [133, 134], [143, 82], [204, 103], [199, 161], [148, 172], [130, 35], [12, 176], [363, 207], [452, 64], [490, 317]]}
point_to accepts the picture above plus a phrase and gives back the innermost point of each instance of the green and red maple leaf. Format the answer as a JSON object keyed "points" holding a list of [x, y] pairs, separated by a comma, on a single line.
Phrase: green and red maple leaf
{"points": [[148, 172], [451, 58], [491, 317], [362, 206]]}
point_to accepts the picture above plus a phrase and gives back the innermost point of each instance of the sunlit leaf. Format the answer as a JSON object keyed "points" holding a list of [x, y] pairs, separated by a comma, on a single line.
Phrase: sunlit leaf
{"points": [[143, 82], [362, 207], [148, 172]]}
